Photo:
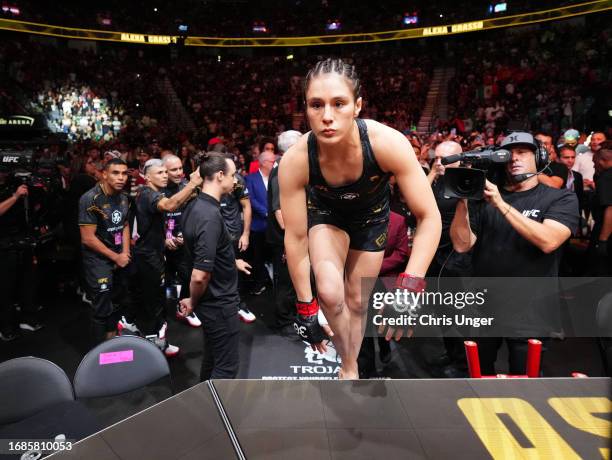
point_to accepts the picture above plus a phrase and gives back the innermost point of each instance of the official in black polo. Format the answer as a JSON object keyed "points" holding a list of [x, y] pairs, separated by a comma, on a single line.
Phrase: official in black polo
{"points": [[147, 283], [214, 278]]}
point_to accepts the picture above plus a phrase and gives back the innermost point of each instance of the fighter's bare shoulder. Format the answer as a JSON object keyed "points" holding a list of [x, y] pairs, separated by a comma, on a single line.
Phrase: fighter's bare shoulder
{"points": [[389, 144]]}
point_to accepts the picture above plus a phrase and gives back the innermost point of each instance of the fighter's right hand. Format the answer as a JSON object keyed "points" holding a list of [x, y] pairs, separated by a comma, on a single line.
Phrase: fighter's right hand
{"points": [[307, 325]]}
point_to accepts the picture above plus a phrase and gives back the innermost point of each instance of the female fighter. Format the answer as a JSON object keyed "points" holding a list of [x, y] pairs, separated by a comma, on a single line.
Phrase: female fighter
{"points": [[334, 187]]}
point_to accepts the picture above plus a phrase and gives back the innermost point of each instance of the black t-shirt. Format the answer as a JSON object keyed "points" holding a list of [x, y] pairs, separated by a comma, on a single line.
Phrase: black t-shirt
{"points": [[109, 213], [12, 222], [501, 251], [80, 184], [557, 169], [231, 207], [149, 223], [209, 248], [173, 219], [447, 206], [274, 233], [602, 199]]}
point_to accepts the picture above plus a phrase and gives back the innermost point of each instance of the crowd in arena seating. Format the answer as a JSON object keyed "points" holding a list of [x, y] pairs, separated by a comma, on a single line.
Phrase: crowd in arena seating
{"points": [[221, 18], [265, 96], [548, 81]]}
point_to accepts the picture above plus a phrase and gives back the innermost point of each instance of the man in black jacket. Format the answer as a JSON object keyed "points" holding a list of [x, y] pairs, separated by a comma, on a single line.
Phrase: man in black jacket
{"points": [[284, 294]]}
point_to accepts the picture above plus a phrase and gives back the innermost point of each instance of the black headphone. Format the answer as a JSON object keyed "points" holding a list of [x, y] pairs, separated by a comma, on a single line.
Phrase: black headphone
{"points": [[541, 155]]}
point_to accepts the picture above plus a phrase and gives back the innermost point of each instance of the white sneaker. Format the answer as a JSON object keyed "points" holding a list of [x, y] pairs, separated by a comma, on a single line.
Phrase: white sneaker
{"points": [[162, 332], [161, 343], [192, 319], [245, 315], [171, 350], [123, 324]]}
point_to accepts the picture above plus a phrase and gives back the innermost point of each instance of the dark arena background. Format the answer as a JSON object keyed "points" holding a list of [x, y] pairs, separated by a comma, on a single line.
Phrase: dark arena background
{"points": [[110, 111]]}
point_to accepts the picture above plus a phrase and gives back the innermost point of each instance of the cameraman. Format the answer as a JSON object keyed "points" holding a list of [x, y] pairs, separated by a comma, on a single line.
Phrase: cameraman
{"points": [[446, 262], [517, 230], [446, 356], [16, 262]]}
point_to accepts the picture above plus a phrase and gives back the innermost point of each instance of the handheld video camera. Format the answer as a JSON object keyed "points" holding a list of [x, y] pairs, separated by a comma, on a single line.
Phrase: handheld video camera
{"points": [[470, 182]]}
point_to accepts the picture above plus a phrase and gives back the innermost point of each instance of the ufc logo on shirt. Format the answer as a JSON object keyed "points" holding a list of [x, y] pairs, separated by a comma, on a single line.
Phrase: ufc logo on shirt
{"points": [[532, 213]]}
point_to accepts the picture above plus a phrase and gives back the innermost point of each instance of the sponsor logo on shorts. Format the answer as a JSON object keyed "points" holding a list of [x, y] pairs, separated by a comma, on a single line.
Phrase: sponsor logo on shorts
{"points": [[381, 240], [349, 196]]}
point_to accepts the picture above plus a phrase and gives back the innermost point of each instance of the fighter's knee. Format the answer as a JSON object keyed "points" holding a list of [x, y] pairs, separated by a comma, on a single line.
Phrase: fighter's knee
{"points": [[331, 301]]}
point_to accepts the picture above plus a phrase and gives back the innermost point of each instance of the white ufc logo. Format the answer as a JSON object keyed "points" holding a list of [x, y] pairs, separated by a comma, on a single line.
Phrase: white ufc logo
{"points": [[532, 213]]}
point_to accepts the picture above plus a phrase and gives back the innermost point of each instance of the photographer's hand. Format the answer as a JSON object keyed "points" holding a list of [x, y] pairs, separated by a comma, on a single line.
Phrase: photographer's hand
{"points": [[437, 170], [22, 190], [493, 197]]}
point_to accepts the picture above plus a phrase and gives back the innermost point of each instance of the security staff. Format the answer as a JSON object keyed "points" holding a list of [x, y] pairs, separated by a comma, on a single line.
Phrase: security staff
{"points": [[214, 279], [105, 236], [177, 271], [518, 230], [148, 281], [233, 205]]}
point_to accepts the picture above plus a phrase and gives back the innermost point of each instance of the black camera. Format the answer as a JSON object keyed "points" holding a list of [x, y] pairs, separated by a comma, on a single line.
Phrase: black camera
{"points": [[470, 182]]}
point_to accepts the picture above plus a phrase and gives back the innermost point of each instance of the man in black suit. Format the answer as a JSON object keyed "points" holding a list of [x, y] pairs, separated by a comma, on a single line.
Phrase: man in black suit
{"points": [[567, 156], [572, 262]]}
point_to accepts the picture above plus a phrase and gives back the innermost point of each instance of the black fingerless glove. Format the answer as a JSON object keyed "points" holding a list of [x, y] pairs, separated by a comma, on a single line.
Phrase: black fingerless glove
{"points": [[306, 323]]}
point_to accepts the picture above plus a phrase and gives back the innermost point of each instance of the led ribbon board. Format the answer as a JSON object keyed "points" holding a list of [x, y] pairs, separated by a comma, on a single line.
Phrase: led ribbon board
{"points": [[253, 42]]}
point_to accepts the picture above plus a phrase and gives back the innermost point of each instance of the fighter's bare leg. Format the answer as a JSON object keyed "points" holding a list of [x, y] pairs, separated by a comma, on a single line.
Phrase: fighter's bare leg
{"points": [[328, 249], [361, 270]]}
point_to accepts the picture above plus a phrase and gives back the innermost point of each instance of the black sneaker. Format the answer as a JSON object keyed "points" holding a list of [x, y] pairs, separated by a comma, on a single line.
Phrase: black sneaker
{"points": [[258, 290], [385, 355], [31, 326], [8, 336]]}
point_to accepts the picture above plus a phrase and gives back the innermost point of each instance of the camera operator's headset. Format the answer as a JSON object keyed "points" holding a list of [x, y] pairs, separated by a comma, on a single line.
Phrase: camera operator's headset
{"points": [[541, 154]]}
